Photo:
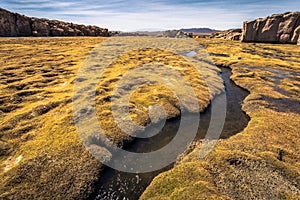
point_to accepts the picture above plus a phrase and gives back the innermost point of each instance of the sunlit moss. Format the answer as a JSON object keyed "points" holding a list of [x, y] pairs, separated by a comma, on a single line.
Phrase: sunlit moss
{"points": [[42, 156], [37, 124], [147, 94]]}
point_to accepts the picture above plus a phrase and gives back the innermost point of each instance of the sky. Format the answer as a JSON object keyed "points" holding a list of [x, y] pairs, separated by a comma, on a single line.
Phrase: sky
{"points": [[152, 15]]}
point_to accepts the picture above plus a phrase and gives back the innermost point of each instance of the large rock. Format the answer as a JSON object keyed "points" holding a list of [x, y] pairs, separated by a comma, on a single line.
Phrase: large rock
{"points": [[267, 29], [174, 34], [279, 28], [23, 25], [7, 23], [13, 25], [55, 31], [296, 36], [40, 28]]}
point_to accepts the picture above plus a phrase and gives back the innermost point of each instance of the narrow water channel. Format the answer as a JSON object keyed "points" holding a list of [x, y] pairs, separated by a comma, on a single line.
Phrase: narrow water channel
{"points": [[115, 185]]}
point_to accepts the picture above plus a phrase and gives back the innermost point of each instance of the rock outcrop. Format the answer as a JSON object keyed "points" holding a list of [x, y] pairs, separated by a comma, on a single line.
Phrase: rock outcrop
{"points": [[278, 28], [16, 25], [175, 34], [232, 34]]}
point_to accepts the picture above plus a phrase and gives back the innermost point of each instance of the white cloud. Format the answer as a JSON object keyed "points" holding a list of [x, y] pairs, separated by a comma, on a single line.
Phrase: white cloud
{"points": [[158, 14]]}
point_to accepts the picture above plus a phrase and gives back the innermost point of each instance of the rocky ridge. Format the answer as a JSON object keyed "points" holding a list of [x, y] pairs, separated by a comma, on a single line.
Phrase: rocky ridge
{"points": [[16, 25], [232, 34], [175, 34]]}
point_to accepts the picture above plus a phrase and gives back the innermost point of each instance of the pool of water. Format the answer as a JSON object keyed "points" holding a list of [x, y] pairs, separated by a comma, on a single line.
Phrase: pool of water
{"points": [[116, 185]]}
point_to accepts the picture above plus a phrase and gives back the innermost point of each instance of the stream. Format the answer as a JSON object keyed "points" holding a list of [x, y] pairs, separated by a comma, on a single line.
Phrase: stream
{"points": [[116, 185]]}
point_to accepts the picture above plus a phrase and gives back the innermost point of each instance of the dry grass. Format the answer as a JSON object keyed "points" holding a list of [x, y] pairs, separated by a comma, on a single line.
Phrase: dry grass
{"points": [[263, 161]]}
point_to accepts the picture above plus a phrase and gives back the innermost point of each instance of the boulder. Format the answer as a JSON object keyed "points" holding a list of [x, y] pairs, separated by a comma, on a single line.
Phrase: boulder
{"points": [[40, 28], [174, 34], [14, 24], [269, 30], [7, 23], [287, 27], [248, 33], [68, 31], [278, 28], [235, 36], [56, 32], [23, 26], [296, 35]]}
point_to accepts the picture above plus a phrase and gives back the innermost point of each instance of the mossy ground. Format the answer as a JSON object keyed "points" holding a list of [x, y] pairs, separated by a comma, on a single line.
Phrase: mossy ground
{"points": [[148, 93], [263, 161], [41, 153], [42, 156]]}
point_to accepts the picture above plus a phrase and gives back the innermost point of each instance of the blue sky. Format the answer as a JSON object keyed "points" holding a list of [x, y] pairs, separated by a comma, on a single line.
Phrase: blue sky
{"points": [[132, 15]]}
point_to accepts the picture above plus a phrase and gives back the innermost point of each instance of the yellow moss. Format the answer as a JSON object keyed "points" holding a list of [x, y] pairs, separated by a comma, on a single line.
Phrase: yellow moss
{"points": [[43, 154], [37, 124], [147, 94], [178, 177]]}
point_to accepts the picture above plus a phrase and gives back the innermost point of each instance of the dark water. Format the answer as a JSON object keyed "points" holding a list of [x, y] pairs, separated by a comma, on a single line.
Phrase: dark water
{"points": [[115, 185]]}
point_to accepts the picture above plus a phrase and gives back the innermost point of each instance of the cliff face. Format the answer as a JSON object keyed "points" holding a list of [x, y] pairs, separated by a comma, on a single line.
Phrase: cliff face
{"points": [[13, 25], [278, 28]]}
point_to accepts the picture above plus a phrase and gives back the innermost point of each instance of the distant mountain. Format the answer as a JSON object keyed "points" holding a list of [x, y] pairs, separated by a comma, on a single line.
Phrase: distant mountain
{"points": [[185, 30], [140, 33], [151, 33], [131, 34], [168, 34], [199, 30]]}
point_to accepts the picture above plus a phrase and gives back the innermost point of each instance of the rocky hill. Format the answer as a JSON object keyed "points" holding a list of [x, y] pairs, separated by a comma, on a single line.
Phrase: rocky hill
{"points": [[232, 34], [16, 25], [174, 34], [278, 28]]}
